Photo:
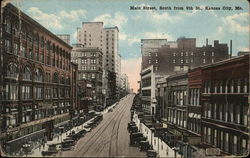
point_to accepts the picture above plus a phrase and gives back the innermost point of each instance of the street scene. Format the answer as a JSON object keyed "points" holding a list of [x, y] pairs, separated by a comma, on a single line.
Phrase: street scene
{"points": [[137, 78]]}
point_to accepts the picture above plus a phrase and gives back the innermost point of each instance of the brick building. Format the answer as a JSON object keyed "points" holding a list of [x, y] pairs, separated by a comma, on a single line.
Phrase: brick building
{"points": [[36, 82], [225, 105], [171, 57]]}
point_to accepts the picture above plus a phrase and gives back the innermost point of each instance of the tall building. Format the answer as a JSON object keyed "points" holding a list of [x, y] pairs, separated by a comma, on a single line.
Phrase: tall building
{"points": [[124, 84], [149, 51], [64, 37], [90, 68], [37, 81], [93, 34]]}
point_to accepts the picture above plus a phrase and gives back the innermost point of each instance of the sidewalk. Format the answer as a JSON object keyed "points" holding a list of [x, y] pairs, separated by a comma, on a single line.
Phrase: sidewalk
{"points": [[38, 151]]}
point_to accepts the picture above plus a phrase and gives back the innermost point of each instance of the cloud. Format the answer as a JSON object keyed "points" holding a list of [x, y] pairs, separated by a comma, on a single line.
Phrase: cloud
{"points": [[132, 67], [133, 39], [148, 35], [157, 35], [73, 15], [245, 49], [45, 19], [234, 22], [55, 21], [118, 19], [122, 36]]}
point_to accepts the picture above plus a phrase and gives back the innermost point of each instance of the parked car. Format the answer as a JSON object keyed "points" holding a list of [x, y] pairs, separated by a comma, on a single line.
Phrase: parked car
{"points": [[144, 145], [135, 138], [151, 153], [67, 144], [132, 129]]}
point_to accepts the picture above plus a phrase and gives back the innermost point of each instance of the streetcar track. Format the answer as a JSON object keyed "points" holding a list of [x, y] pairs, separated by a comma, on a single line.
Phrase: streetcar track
{"points": [[109, 121]]}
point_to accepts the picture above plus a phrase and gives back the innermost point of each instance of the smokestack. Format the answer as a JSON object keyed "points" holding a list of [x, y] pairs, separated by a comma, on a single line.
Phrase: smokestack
{"points": [[206, 42], [230, 48]]}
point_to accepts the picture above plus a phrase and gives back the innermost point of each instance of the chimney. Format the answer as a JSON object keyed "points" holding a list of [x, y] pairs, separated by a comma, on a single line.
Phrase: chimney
{"points": [[230, 48], [206, 42]]}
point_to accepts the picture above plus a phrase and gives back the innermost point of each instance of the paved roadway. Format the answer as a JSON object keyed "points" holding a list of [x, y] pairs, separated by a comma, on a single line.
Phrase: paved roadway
{"points": [[110, 138]]}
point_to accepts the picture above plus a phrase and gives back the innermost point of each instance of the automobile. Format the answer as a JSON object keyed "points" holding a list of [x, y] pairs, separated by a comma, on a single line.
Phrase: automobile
{"points": [[67, 144], [51, 150], [132, 129], [110, 110], [135, 138], [151, 153], [144, 145], [130, 124]]}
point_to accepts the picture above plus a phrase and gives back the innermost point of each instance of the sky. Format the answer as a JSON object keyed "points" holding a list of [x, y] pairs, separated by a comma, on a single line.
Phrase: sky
{"points": [[64, 16]]}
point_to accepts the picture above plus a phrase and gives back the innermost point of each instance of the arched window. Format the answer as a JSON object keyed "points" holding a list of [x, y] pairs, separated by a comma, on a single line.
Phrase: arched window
{"points": [[39, 75], [12, 70], [55, 78], [7, 24], [27, 74]]}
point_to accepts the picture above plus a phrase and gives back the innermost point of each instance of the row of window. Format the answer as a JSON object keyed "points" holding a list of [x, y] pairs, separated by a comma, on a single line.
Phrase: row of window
{"points": [[62, 63], [28, 114], [88, 68], [178, 97], [177, 117], [234, 113], [12, 92], [191, 53], [13, 28], [225, 141], [227, 86]]}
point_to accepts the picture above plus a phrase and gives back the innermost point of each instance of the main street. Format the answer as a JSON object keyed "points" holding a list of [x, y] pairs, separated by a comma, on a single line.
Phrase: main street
{"points": [[110, 138]]}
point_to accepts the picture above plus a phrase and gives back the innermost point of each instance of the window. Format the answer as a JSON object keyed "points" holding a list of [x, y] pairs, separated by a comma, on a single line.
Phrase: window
{"points": [[15, 48], [204, 53], [84, 61], [7, 46], [186, 60], [39, 92], [156, 61], [93, 76], [39, 75], [181, 53], [84, 67], [11, 91], [212, 60], [156, 54], [26, 92], [204, 61], [27, 74], [215, 137], [235, 145], [149, 61], [55, 92], [12, 70], [182, 61], [8, 25], [186, 53], [212, 54], [173, 60]]}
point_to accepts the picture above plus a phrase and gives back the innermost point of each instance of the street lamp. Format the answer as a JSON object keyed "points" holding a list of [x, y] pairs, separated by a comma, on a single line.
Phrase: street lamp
{"points": [[104, 93], [152, 130]]}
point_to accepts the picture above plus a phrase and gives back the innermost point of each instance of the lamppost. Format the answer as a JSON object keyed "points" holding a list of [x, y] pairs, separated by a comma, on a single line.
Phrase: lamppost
{"points": [[104, 93], [152, 130]]}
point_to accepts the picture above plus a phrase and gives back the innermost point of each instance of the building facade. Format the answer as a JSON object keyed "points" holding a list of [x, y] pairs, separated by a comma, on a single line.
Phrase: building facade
{"points": [[93, 34], [187, 56], [225, 105], [37, 81], [64, 37], [90, 68]]}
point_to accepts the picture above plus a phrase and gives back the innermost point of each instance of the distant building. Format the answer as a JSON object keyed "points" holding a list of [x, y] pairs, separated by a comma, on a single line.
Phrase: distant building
{"points": [[174, 57], [89, 60], [65, 38], [93, 34]]}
